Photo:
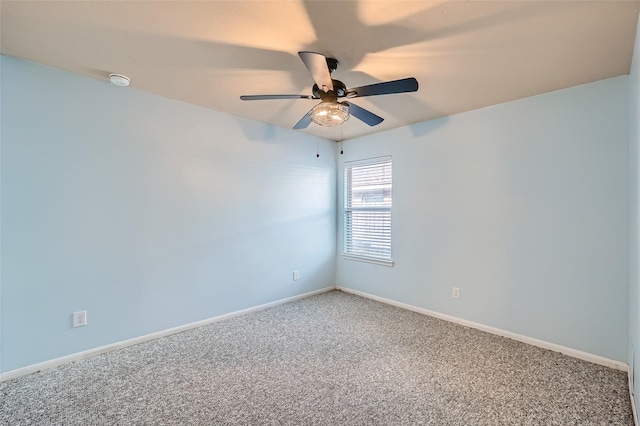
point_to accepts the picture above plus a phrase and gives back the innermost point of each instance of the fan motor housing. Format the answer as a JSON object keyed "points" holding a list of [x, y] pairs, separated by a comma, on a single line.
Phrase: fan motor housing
{"points": [[339, 89]]}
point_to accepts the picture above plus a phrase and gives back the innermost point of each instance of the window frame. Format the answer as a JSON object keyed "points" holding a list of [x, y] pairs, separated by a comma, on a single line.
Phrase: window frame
{"points": [[347, 196]]}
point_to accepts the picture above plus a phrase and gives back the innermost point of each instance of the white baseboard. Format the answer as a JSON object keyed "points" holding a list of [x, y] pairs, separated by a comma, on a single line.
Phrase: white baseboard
{"points": [[618, 365], [596, 359], [12, 374], [634, 409]]}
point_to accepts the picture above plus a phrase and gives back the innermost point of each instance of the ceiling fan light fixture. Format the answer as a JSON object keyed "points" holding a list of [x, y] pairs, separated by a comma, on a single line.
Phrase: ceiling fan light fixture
{"points": [[329, 114]]}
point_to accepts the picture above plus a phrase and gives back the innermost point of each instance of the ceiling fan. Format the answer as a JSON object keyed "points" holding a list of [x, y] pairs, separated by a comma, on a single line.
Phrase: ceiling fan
{"points": [[329, 112]]}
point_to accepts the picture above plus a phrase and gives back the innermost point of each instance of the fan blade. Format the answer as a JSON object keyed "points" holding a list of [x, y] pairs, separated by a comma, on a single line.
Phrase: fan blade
{"points": [[387, 88], [266, 97], [364, 115], [304, 121], [316, 63]]}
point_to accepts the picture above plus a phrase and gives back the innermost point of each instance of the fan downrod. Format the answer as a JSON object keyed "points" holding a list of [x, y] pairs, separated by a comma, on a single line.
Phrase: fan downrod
{"points": [[332, 64]]}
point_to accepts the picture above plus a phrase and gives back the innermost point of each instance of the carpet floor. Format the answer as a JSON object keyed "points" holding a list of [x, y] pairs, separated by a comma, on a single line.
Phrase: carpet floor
{"points": [[330, 359]]}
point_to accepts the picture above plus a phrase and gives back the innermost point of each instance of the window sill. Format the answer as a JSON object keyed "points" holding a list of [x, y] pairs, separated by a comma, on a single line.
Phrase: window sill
{"points": [[375, 261]]}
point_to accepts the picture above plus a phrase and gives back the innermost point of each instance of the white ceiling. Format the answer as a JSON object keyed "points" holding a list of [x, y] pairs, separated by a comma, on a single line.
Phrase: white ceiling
{"points": [[465, 54]]}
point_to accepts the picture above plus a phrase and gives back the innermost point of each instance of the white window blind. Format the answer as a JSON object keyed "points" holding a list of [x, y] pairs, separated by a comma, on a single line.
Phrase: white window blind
{"points": [[367, 209]]}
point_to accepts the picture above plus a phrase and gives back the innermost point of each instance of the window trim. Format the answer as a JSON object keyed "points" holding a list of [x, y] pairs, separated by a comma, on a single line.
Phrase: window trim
{"points": [[358, 257]]}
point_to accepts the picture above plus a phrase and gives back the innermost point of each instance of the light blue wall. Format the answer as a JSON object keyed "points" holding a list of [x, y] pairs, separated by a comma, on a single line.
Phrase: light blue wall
{"points": [[151, 213], [634, 216], [147, 212], [523, 206]]}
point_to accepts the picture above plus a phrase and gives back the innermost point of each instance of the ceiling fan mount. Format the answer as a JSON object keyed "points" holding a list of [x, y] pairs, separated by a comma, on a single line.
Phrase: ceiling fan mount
{"points": [[329, 112], [332, 64]]}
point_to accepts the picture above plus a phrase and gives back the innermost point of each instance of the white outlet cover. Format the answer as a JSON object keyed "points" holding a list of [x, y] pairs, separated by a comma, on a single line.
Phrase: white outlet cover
{"points": [[79, 318], [456, 293]]}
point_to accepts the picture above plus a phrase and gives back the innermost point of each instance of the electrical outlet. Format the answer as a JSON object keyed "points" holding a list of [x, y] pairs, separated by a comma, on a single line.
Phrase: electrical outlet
{"points": [[456, 293], [79, 318], [296, 275]]}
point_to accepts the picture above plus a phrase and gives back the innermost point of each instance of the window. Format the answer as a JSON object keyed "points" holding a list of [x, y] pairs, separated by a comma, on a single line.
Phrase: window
{"points": [[367, 210]]}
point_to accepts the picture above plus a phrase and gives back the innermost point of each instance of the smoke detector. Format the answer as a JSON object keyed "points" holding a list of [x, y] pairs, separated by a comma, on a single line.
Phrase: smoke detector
{"points": [[119, 79]]}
